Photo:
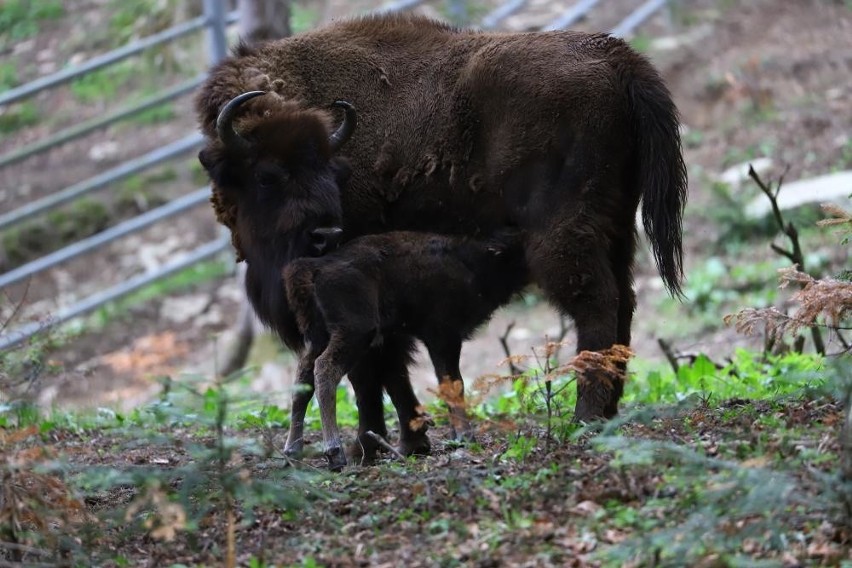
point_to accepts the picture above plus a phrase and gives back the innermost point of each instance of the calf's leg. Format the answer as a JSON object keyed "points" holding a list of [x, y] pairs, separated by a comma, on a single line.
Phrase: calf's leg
{"points": [[338, 358], [303, 391], [386, 365], [445, 354]]}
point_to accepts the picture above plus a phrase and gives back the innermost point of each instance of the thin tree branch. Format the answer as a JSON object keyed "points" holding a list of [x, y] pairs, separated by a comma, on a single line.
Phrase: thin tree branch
{"points": [[795, 256], [504, 341], [383, 443], [669, 353]]}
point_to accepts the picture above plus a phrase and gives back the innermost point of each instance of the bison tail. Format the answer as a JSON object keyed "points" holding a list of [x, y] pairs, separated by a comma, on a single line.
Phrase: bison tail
{"points": [[660, 171]]}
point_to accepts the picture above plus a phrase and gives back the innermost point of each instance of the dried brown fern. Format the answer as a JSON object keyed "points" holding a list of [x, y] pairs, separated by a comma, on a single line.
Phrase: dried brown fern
{"points": [[821, 303]]}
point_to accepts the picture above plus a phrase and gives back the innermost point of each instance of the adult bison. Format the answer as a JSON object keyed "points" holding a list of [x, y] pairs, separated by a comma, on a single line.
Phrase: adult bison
{"points": [[558, 133]]}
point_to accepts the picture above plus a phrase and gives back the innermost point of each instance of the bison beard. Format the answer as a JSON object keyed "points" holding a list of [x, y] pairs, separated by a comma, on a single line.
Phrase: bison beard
{"points": [[559, 133]]}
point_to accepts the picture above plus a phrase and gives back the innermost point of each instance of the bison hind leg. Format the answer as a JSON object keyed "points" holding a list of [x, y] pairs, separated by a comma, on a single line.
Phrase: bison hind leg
{"points": [[578, 278]]}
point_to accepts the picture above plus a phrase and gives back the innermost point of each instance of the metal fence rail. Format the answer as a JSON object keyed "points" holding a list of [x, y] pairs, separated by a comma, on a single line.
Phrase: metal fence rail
{"points": [[102, 179], [89, 126], [214, 21], [500, 13]]}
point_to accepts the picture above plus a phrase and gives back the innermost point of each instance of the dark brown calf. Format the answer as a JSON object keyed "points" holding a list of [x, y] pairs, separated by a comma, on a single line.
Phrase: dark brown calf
{"points": [[436, 288]]}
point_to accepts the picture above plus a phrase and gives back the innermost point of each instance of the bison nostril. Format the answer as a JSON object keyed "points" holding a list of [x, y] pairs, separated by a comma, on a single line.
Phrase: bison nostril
{"points": [[325, 238]]}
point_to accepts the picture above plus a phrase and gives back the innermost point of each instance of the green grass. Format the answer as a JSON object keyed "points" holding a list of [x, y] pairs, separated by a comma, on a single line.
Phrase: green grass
{"points": [[9, 75], [104, 84], [19, 19], [182, 281], [18, 116], [749, 376]]}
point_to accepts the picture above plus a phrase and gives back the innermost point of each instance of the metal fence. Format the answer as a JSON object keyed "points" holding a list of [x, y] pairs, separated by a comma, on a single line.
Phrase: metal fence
{"points": [[214, 22]]}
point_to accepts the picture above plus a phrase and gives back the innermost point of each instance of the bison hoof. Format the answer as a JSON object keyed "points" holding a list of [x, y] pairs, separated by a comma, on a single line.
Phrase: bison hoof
{"points": [[294, 451], [465, 436], [363, 451], [584, 412], [336, 458], [418, 445]]}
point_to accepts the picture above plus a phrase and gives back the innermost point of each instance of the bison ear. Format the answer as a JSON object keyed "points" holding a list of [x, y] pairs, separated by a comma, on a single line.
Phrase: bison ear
{"points": [[206, 159], [342, 171]]}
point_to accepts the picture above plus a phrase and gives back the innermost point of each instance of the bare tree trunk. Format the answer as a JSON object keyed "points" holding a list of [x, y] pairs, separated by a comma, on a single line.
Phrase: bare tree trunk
{"points": [[239, 350], [262, 20]]}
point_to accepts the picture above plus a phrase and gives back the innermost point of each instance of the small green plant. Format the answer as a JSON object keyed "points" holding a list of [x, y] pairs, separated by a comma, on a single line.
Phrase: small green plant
{"points": [[8, 75], [18, 116], [103, 84], [19, 19], [217, 483]]}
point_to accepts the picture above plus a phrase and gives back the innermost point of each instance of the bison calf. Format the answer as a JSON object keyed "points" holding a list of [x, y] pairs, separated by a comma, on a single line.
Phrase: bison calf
{"points": [[436, 288]]}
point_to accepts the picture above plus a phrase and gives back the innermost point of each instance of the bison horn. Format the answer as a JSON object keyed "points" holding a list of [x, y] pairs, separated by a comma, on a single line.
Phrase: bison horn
{"points": [[345, 130], [224, 123]]}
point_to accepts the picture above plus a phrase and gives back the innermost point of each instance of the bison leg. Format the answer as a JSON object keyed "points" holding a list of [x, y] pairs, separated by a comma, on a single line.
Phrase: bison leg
{"points": [[445, 354], [622, 268], [368, 397], [387, 365], [413, 422], [304, 390], [577, 277], [329, 368]]}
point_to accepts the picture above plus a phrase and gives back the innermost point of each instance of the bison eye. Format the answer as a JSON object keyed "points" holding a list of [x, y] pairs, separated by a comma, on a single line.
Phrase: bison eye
{"points": [[271, 180]]}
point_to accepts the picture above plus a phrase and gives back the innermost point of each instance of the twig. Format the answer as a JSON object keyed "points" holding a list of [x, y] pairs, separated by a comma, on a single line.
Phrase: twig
{"points": [[383, 443], [23, 548], [563, 331], [18, 306], [669, 353], [795, 256], [504, 341]]}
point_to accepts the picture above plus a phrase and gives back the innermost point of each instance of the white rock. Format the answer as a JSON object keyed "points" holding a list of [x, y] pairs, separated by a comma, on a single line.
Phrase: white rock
{"points": [[830, 187], [103, 151], [153, 255], [736, 175], [23, 47], [183, 308]]}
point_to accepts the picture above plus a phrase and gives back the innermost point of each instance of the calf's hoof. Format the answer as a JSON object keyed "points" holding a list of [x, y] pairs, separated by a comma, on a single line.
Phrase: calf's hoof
{"points": [[336, 458], [415, 445]]}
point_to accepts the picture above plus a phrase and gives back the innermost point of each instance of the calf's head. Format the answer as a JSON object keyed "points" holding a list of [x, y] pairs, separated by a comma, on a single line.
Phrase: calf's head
{"points": [[276, 179]]}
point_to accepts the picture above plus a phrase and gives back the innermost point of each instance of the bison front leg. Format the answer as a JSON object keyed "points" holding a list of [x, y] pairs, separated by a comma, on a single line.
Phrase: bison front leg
{"points": [[302, 394], [445, 356]]}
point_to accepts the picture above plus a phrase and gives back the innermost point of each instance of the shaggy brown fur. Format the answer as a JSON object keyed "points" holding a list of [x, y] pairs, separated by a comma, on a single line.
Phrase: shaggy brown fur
{"points": [[559, 133]]}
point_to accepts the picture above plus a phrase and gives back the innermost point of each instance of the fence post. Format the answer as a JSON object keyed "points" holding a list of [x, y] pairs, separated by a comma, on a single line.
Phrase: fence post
{"points": [[458, 12], [214, 11]]}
